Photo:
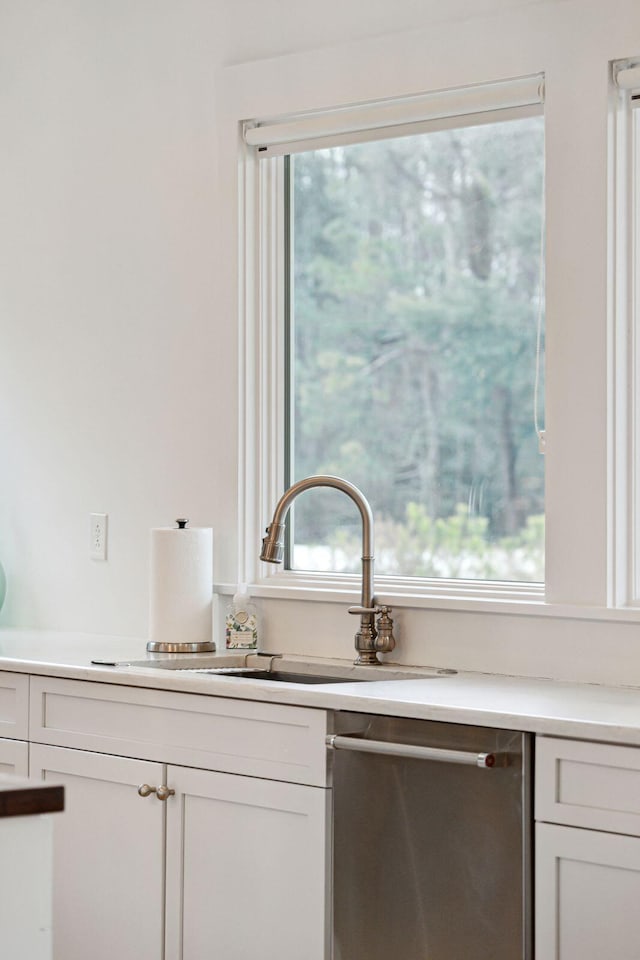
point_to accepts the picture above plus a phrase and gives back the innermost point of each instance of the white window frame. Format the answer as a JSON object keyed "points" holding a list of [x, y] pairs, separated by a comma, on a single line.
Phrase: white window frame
{"points": [[575, 53], [624, 373], [262, 363]]}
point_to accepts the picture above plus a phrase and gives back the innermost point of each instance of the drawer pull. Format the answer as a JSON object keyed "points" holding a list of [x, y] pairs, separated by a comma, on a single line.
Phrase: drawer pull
{"points": [[162, 793]]}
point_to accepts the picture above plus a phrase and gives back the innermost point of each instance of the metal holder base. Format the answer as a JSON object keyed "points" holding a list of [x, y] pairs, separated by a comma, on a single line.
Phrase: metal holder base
{"points": [[202, 646]]}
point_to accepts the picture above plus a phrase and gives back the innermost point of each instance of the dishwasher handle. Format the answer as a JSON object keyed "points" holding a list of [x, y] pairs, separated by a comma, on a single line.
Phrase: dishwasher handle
{"points": [[485, 761]]}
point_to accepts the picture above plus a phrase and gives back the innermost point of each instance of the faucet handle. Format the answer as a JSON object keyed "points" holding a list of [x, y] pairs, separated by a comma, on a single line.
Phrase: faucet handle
{"points": [[378, 609], [385, 640]]}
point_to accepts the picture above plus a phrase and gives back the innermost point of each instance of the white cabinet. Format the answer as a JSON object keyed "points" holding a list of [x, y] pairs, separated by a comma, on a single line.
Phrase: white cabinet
{"points": [[14, 705], [14, 723], [230, 865], [108, 855], [26, 844], [587, 894], [587, 851], [25, 887], [245, 868], [14, 757]]}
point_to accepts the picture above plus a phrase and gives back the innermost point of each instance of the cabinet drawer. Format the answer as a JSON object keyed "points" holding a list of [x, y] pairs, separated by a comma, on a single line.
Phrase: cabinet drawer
{"points": [[14, 705], [592, 785], [235, 736], [14, 757]]}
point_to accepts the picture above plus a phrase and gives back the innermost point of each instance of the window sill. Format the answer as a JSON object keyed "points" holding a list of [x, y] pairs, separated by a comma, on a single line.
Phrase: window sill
{"points": [[506, 599]]}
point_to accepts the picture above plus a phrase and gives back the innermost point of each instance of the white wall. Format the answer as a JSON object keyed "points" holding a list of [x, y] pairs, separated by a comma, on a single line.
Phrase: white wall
{"points": [[118, 370], [116, 367]]}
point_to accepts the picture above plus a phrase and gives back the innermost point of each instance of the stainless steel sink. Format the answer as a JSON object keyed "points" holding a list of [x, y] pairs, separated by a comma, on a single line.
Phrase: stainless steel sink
{"points": [[277, 669], [283, 676]]}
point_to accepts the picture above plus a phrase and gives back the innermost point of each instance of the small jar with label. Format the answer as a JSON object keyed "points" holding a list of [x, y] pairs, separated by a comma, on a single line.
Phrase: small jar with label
{"points": [[242, 624]]}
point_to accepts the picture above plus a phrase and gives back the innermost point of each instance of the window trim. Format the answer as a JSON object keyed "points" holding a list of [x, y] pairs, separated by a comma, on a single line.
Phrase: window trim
{"points": [[262, 379], [624, 352]]}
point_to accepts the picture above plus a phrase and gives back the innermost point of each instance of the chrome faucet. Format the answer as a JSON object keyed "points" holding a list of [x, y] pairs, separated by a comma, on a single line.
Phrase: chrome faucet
{"points": [[371, 638]]}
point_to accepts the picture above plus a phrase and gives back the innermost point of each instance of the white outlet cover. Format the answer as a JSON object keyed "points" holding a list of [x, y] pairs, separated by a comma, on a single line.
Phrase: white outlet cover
{"points": [[98, 536]]}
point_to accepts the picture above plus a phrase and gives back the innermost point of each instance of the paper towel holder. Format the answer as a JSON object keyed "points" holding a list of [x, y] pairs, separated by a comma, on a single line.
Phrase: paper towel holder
{"points": [[163, 646]]}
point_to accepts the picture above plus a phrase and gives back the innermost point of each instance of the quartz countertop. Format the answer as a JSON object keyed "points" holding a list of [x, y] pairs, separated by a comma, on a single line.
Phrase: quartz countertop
{"points": [[587, 711]]}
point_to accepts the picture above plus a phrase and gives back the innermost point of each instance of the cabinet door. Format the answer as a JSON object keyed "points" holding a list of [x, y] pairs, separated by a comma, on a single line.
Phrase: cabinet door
{"points": [[25, 887], [587, 894], [246, 868], [108, 855], [14, 757]]}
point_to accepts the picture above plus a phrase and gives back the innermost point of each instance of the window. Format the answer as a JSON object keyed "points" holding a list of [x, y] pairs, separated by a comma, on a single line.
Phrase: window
{"points": [[411, 310]]}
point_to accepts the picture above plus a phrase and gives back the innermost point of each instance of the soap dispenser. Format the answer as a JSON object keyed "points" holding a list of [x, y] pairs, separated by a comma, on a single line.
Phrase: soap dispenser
{"points": [[242, 623]]}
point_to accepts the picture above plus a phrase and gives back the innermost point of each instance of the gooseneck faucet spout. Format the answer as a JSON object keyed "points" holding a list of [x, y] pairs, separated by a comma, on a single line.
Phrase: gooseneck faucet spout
{"points": [[368, 640]]}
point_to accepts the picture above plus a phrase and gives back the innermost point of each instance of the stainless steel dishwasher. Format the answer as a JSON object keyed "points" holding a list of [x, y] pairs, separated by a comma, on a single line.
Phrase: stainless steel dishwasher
{"points": [[431, 841]]}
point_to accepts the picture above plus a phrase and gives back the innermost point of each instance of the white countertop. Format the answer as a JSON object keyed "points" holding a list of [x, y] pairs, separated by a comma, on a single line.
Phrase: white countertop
{"points": [[587, 711]]}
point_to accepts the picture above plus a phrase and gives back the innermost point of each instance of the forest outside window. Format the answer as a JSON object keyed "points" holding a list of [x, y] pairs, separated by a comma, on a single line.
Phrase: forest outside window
{"points": [[414, 338]]}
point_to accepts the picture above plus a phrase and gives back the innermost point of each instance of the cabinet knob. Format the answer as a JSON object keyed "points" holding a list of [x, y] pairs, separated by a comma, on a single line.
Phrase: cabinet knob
{"points": [[164, 792]]}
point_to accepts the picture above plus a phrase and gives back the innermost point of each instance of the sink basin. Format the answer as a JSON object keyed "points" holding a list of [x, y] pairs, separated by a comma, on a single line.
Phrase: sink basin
{"points": [[277, 669], [283, 676]]}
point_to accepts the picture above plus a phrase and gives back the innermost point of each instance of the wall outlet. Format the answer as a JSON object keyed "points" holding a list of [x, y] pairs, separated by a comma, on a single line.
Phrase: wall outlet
{"points": [[98, 536]]}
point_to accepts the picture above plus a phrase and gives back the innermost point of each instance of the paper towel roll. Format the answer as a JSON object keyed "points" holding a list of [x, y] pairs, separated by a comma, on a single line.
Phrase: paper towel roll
{"points": [[181, 585]]}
